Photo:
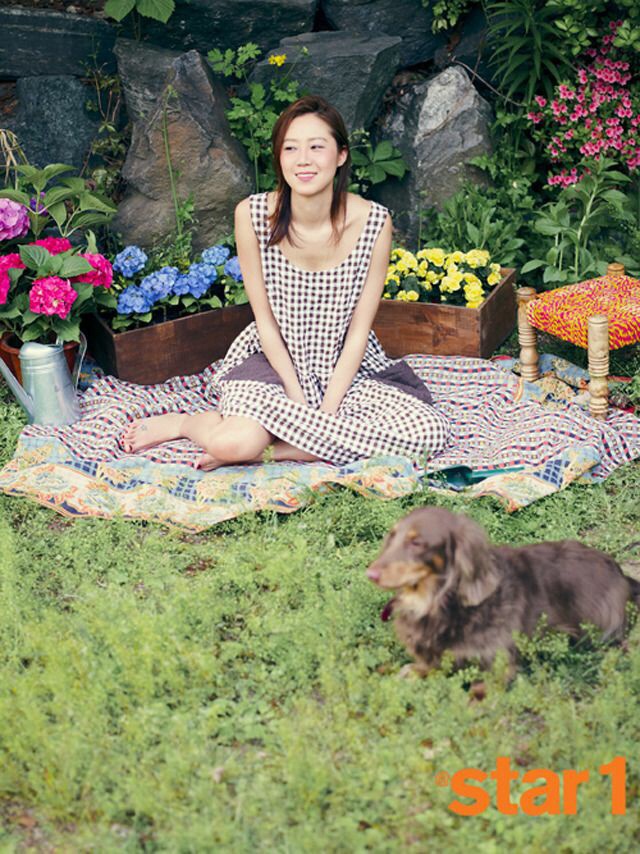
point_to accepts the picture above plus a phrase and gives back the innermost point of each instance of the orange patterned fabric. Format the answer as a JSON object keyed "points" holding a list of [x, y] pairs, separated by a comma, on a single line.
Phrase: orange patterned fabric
{"points": [[565, 312]]}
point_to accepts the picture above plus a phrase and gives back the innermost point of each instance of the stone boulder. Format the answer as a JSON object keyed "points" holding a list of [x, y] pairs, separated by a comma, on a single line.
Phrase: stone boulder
{"points": [[470, 47], [143, 69], [438, 125], [350, 71], [208, 162], [38, 41], [205, 24], [51, 120], [408, 19]]}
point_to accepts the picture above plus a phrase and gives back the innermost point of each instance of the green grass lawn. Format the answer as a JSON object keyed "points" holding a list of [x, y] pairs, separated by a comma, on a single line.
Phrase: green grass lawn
{"points": [[237, 691]]}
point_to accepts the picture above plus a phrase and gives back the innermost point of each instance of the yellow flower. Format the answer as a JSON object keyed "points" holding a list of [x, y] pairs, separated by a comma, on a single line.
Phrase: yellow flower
{"points": [[386, 295], [449, 284], [396, 254], [493, 278], [410, 261], [392, 279], [402, 266], [412, 296], [455, 258], [435, 256], [477, 258], [495, 268], [423, 269], [421, 255], [474, 303], [278, 59], [433, 277], [472, 279]]}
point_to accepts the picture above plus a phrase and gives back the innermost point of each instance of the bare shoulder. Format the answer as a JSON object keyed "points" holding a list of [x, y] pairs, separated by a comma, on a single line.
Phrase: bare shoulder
{"points": [[358, 210], [243, 211]]}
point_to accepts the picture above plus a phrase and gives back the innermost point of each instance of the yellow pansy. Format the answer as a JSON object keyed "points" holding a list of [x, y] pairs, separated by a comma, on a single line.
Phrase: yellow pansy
{"points": [[278, 59], [472, 279], [495, 268], [413, 296], [423, 269], [402, 266], [449, 284], [493, 278], [411, 261], [421, 255], [433, 277], [455, 258], [435, 256]]}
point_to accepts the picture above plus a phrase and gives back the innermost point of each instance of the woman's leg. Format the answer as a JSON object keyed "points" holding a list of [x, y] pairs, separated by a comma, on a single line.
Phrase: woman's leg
{"points": [[148, 432]]}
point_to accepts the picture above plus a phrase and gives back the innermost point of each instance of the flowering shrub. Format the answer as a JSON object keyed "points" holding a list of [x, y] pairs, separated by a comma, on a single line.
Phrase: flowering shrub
{"points": [[47, 285], [595, 115], [14, 219], [145, 294], [433, 275]]}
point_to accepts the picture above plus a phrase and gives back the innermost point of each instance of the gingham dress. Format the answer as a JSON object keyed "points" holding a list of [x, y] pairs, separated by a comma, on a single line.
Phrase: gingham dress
{"points": [[387, 409]]}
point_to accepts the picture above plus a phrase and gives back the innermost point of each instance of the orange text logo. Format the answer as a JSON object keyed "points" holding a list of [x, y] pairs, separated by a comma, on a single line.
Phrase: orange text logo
{"points": [[553, 793]]}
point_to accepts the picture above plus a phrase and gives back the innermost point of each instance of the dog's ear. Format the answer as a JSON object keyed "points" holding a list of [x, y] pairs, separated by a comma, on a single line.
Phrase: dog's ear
{"points": [[477, 575]]}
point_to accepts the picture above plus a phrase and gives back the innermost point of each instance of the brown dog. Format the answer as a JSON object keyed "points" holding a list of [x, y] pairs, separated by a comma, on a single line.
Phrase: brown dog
{"points": [[458, 593]]}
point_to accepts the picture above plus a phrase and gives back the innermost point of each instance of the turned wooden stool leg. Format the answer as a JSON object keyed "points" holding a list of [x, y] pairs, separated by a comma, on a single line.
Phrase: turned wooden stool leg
{"points": [[598, 365], [615, 269], [527, 337]]}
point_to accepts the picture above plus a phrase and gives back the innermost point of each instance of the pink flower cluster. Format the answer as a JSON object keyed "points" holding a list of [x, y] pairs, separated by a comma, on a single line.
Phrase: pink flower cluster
{"points": [[102, 274], [8, 262], [54, 245], [14, 219], [598, 116], [52, 295]]}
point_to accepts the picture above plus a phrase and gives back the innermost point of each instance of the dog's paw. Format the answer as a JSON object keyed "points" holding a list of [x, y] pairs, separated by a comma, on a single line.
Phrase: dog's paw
{"points": [[415, 670]]}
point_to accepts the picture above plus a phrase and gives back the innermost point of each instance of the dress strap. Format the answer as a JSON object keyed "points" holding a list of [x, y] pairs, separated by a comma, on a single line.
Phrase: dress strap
{"points": [[259, 207], [373, 226]]}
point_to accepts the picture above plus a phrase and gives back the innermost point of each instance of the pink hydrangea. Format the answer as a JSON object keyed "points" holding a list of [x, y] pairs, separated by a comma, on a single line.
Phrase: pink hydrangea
{"points": [[102, 273], [52, 295], [8, 262], [14, 219], [54, 245]]}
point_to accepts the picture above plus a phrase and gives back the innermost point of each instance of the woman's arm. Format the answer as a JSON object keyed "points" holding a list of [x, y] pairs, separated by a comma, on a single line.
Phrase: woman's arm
{"points": [[357, 336], [251, 265]]}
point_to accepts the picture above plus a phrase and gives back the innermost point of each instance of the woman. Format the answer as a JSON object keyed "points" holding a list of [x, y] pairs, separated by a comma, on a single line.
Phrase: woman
{"points": [[308, 377]]}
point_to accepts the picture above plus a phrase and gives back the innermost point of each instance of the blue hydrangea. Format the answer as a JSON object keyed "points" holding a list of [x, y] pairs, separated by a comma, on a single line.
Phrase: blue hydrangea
{"points": [[196, 281], [159, 285], [130, 261], [216, 254], [133, 300], [232, 268]]}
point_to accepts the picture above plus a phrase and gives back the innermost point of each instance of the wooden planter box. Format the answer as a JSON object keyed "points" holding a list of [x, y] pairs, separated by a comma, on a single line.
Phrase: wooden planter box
{"points": [[154, 353], [448, 330]]}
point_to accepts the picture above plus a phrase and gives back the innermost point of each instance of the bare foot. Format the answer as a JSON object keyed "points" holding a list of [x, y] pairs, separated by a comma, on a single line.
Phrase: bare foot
{"points": [[208, 463], [148, 432]]}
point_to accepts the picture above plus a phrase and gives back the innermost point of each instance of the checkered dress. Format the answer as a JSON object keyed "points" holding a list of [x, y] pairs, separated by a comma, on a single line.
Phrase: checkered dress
{"points": [[387, 409]]}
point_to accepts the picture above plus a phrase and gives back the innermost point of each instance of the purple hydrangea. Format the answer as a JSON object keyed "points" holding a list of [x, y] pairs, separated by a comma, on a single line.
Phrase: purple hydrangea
{"points": [[232, 268], [37, 205], [160, 284], [196, 281], [130, 261], [216, 254], [14, 219], [133, 300]]}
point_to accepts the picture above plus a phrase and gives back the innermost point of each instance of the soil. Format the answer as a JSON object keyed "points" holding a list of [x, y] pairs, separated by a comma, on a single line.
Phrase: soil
{"points": [[76, 7]]}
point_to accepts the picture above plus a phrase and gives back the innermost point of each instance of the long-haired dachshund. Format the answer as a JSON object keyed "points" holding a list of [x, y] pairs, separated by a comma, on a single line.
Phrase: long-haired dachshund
{"points": [[458, 593]]}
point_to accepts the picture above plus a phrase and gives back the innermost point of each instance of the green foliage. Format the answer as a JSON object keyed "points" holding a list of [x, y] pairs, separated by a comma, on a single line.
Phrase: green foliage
{"points": [[252, 117], [580, 21], [447, 13], [158, 10], [112, 140], [527, 51], [373, 165], [69, 203], [572, 222]]}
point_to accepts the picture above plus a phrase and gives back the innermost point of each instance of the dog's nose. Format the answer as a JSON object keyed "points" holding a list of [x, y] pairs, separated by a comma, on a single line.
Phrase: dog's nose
{"points": [[373, 574]]}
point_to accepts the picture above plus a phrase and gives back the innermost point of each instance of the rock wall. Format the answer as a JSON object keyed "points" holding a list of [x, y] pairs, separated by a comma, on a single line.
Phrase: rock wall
{"points": [[357, 53]]}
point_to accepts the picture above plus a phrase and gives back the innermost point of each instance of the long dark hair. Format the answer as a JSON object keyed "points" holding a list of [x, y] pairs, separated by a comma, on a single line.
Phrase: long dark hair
{"points": [[280, 220]]}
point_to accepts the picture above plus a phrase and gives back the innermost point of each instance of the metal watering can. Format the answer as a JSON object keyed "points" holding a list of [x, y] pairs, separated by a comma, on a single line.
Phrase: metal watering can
{"points": [[49, 392]]}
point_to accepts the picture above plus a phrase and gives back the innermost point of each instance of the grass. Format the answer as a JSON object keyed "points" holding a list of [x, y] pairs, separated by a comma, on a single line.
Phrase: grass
{"points": [[236, 690]]}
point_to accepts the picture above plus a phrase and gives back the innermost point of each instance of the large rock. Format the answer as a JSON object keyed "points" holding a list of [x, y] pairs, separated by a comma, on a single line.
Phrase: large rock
{"points": [[143, 70], [205, 24], [470, 47], [350, 71], [51, 122], [438, 125], [408, 19], [34, 42], [208, 162]]}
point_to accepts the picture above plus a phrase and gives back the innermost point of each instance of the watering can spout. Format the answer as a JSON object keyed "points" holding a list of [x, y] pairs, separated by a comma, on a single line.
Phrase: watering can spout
{"points": [[25, 400]]}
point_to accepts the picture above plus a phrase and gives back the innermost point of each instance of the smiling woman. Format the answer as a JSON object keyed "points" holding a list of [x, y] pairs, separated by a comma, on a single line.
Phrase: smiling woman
{"points": [[309, 377]]}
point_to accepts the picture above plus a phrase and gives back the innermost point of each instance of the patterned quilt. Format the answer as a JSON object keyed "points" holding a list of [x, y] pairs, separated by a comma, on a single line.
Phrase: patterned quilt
{"points": [[498, 421]]}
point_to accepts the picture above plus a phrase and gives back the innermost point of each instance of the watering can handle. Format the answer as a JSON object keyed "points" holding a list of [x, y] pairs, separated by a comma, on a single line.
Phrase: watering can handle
{"points": [[82, 352]]}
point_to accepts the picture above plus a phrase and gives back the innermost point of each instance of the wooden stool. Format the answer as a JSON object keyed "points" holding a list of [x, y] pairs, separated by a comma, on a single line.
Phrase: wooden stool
{"points": [[600, 314]]}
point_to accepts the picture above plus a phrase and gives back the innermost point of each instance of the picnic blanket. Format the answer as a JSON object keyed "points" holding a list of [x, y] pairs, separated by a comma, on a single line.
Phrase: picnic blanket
{"points": [[497, 419]]}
